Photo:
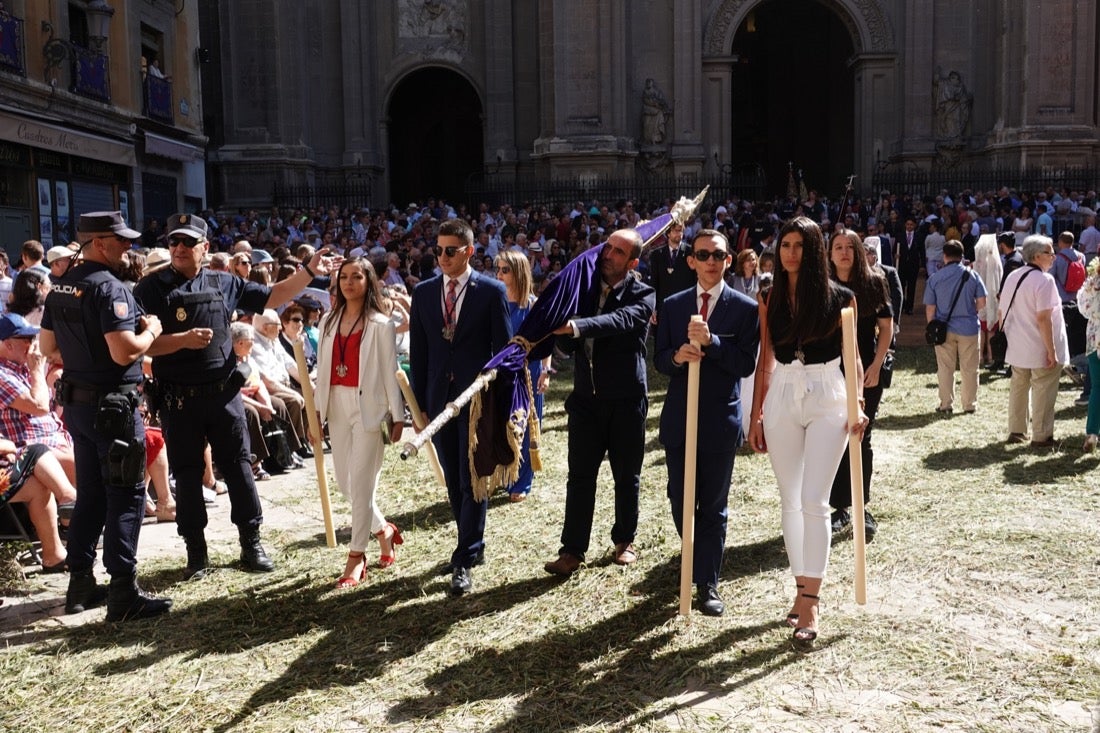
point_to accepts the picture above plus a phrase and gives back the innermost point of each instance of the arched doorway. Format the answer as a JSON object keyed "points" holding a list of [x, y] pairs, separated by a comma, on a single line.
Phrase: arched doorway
{"points": [[435, 136], [793, 94]]}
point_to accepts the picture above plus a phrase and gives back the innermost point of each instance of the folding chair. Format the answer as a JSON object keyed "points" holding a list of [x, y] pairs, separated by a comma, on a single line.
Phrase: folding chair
{"points": [[14, 523]]}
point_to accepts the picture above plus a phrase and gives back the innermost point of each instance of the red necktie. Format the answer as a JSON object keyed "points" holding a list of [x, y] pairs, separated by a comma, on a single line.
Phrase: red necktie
{"points": [[452, 302], [703, 310]]}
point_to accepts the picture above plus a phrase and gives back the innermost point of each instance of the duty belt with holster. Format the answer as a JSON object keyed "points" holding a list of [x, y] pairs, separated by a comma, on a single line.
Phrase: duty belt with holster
{"points": [[114, 420], [172, 396]]}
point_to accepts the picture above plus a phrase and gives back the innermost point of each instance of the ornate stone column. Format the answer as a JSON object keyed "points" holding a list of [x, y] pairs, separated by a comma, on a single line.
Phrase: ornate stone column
{"points": [[584, 83]]}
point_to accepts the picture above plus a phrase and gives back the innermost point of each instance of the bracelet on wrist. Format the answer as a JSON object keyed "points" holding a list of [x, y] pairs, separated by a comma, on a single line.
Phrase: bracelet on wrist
{"points": [[311, 273]]}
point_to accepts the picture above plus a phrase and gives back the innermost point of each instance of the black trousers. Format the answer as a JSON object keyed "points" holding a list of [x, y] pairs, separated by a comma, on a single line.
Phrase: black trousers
{"points": [[188, 426], [615, 428], [841, 495], [116, 511], [713, 472]]}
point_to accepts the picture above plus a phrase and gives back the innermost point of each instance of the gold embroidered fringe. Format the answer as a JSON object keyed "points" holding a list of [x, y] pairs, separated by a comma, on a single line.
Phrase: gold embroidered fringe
{"points": [[506, 475]]}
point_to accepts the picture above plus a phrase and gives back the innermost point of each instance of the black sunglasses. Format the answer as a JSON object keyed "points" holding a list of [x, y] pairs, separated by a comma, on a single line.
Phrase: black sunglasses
{"points": [[185, 241], [296, 319], [449, 251], [704, 255], [504, 270]]}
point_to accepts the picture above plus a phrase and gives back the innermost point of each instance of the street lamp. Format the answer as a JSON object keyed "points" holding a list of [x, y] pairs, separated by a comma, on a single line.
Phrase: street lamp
{"points": [[99, 15]]}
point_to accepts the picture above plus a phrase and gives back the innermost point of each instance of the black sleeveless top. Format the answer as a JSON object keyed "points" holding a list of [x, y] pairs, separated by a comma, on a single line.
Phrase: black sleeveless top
{"points": [[817, 351]]}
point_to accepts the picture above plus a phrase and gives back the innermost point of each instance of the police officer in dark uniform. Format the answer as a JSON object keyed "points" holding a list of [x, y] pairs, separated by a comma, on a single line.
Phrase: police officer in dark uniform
{"points": [[197, 382], [93, 325]]}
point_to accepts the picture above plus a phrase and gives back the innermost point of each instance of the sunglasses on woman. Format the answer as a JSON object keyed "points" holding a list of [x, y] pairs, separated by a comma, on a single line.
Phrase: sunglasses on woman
{"points": [[504, 270]]}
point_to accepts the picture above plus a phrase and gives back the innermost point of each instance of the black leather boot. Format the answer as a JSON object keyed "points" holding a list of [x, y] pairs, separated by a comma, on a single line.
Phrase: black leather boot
{"points": [[127, 602], [253, 556], [84, 592], [197, 558]]}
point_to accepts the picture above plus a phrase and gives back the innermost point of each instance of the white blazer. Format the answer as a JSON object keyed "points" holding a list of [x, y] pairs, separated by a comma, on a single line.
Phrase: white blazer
{"points": [[378, 389]]}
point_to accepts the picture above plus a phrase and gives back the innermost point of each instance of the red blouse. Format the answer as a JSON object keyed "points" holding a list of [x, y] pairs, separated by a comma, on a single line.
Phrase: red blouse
{"points": [[345, 360]]}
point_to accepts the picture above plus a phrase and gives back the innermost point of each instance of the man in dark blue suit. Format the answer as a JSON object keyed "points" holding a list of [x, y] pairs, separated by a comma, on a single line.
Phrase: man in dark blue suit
{"points": [[609, 402], [728, 336], [457, 322], [669, 271]]}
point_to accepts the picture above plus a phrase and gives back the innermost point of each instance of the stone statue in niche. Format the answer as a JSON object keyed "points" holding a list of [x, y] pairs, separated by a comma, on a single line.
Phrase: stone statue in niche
{"points": [[655, 114], [954, 103]]}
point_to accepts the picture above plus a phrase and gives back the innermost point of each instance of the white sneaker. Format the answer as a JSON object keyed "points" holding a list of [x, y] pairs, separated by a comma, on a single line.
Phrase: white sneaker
{"points": [[1090, 443]]}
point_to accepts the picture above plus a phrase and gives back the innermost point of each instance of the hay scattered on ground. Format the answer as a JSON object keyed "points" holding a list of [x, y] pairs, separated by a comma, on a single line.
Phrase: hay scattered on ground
{"points": [[982, 613]]}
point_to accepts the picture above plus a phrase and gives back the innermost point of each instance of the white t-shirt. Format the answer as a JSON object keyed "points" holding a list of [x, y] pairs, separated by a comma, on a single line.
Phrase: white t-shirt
{"points": [[1025, 343]]}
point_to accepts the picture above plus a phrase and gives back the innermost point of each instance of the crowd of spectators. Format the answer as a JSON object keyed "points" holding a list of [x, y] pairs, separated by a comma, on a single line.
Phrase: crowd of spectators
{"points": [[399, 240]]}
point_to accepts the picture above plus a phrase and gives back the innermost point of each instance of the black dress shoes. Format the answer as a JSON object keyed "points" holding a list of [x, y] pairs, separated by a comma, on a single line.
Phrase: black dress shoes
{"points": [[840, 520], [710, 603], [461, 582], [870, 527]]}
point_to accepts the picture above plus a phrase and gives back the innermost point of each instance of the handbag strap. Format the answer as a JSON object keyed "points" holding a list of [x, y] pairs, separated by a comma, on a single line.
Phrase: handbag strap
{"points": [[958, 291], [1030, 269]]}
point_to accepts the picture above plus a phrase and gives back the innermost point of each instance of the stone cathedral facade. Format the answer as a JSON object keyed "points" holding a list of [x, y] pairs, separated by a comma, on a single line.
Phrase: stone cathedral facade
{"points": [[421, 97]]}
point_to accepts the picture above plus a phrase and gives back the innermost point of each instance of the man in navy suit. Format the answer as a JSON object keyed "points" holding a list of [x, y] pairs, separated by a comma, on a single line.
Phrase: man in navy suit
{"points": [[728, 336], [909, 256], [457, 322], [609, 402], [668, 266]]}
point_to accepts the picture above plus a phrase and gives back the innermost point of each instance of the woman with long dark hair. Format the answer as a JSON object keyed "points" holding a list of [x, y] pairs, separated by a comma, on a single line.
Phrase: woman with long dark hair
{"points": [[358, 394], [799, 407], [874, 334]]}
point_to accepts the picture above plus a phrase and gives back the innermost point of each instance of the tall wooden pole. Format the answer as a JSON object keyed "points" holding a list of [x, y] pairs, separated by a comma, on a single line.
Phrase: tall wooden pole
{"points": [[855, 457], [691, 440], [317, 442], [420, 424]]}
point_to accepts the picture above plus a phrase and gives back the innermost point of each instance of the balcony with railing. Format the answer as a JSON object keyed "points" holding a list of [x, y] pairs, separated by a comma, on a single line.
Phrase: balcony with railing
{"points": [[157, 95], [91, 75], [12, 57]]}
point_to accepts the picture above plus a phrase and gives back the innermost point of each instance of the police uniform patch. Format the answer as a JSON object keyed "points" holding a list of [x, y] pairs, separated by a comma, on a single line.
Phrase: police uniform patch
{"points": [[122, 308], [181, 315]]}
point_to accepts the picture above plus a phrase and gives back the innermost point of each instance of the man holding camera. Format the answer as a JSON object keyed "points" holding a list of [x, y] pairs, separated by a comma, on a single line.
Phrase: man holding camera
{"points": [[197, 382], [92, 323]]}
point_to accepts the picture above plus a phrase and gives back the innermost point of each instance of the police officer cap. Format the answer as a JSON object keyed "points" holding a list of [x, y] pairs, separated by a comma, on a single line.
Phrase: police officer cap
{"points": [[261, 257], [188, 224], [105, 222], [13, 325]]}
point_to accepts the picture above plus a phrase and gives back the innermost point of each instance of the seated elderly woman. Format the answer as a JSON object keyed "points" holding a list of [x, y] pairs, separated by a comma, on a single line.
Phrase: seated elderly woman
{"points": [[273, 364], [32, 476], [260, 408]]}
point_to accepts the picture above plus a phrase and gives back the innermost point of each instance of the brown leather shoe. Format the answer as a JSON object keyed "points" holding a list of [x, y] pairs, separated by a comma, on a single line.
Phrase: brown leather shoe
{"points": [[565, 565], [625, 554]]}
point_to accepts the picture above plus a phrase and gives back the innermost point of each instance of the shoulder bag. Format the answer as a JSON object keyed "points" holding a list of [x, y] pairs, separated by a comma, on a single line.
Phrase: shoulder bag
{"points": [[935, 333]]}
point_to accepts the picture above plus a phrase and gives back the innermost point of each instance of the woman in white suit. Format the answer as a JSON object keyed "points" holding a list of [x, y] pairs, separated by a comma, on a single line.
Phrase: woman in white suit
{"points": [[358, 394]]}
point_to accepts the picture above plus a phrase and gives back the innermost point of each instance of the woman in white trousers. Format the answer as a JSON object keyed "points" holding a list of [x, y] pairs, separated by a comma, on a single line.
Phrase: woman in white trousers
{"points": [[799, 410], [357, 392]]}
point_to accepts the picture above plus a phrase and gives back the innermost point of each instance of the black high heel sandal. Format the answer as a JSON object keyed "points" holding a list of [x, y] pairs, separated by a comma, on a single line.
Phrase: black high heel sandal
{"points": [[803, 637], [792, 618]]}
